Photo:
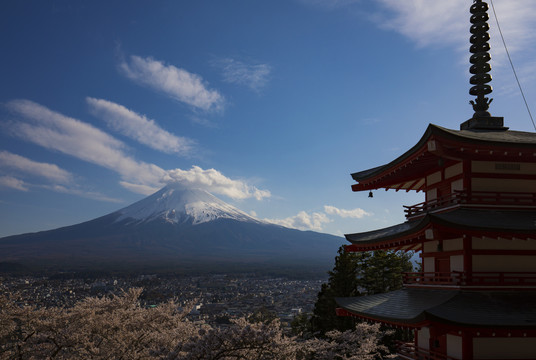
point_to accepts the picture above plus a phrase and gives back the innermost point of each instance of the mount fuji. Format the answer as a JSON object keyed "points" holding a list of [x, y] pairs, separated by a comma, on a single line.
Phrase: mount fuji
{"points": [[175, 228], [176, 204]]}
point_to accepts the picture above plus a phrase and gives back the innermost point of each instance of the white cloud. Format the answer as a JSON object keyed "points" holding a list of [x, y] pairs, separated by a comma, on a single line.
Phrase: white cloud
{"points": [[315, 221], [203, 121], [139, 127], [330, 4], [175, 82], [24, 165], [254, 76], [215, 182], [139, 188], [12, 183], [303, 221], [55, 131], [62, 179], [446, 23], [354, 213], [58, 132], [87, 194], [439, 23], [428, 22]]}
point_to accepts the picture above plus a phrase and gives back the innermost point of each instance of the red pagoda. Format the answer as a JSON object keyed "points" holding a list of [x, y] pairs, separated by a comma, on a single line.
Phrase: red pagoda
{"points": [[476, 233]]}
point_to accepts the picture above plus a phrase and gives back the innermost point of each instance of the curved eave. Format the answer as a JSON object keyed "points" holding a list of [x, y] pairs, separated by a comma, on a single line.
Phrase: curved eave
{"points": [[407, 172], [476, 221], [473, 222], [405, 306], [402, 236], [385, 169], [413, 307]]}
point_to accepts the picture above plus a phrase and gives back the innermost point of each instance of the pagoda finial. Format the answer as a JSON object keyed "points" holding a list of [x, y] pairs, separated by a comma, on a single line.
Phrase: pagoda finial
{"points": [[480, 58], [480, 69]]}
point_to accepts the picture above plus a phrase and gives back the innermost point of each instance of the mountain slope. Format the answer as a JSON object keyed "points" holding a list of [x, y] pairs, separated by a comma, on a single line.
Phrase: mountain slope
{"points": [[175, 203], [174, 227]]}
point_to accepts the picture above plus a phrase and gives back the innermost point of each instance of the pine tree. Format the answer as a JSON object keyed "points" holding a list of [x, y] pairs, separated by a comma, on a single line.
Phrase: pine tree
{"points": [[357, 274], [342, 282], [383, 271]]}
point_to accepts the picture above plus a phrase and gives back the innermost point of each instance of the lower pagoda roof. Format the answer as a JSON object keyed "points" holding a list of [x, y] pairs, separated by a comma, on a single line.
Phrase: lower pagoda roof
{"points": [[478, 222], [417, 307]]}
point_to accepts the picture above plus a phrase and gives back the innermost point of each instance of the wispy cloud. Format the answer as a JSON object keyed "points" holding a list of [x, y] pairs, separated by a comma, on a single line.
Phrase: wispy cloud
{"points": [[58, 132], [440, 23], [427, 22], [139, 188], [215, 182], [353, 213], [254, 76], [446, 24], [330, 4], [303, 221], [315, 220], [175, 82], [202, 121], [12, 183], [139, 127], [59, 180], [22, 164], [79, 192]]}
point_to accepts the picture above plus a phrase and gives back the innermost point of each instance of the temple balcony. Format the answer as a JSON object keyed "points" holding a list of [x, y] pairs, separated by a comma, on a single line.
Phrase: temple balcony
{"points": [[480, 199], [408, 351], [519, 280], [411, 352]]}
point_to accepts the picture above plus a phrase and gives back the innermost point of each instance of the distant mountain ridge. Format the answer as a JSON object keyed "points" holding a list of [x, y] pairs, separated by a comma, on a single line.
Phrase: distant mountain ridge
{"points": [[175, 227]]}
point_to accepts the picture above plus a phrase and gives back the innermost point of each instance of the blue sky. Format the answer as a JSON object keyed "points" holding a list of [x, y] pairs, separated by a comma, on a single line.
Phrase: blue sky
{"points": [[270, 105]]}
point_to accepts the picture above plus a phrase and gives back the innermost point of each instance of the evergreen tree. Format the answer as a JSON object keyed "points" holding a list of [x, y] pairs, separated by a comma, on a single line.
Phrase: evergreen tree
{"points": [[383, 271], [357, 274], [342, 282]]}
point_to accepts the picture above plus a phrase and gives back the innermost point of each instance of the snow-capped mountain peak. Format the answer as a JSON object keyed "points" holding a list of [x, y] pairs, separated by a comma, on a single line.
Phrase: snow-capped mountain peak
{"points": [[176, 204]]}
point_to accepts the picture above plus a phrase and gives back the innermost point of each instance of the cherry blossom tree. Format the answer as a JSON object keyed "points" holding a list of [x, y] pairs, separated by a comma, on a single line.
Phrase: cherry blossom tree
{"points": [[118, 327]]}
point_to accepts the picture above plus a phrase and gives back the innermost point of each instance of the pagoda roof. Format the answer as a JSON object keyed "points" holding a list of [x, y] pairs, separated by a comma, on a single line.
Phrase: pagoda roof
{"points": [[416, 307], [504, 223], [497, 137], [440, 146]]}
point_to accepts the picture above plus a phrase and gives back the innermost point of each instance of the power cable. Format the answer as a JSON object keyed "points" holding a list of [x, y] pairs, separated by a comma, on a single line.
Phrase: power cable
{"points": [[512, 65]]}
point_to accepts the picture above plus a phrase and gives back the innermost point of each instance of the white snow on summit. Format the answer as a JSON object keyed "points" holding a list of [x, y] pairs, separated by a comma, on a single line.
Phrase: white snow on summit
{"points": [[176, 203]]}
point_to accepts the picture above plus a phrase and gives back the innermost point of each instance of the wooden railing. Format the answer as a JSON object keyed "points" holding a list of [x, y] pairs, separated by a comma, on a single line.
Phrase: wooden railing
{"points": [[433, 278], [480, 198], [427, 206], [410, 351], [458, 278]]}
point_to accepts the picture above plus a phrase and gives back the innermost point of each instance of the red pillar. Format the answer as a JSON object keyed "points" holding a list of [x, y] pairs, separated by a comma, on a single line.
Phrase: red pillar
{"points": [[468, 257], [467, 184], [467, 240], [467, 345]]}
